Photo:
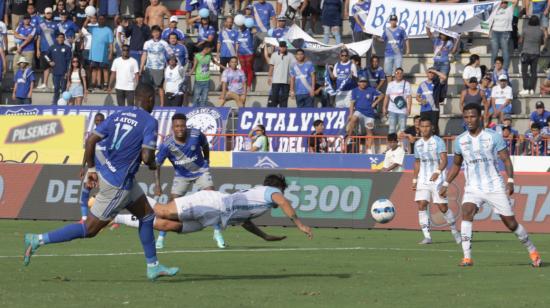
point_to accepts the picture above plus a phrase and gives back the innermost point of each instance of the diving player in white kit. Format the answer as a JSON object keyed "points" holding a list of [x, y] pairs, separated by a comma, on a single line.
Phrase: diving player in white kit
{"points": [[194, 212]]}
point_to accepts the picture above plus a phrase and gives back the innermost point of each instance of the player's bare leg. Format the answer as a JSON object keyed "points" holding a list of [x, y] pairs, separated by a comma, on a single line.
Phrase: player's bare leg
{"points": [[521, 233], [450, 219], [424, 221], [468, 212]]}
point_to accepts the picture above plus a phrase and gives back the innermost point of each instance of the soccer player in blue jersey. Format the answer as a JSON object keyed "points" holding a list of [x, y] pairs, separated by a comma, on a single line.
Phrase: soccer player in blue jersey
{"points": [[479, 150], [195, 212], [130, 138], [430, 167], [188, 151]]}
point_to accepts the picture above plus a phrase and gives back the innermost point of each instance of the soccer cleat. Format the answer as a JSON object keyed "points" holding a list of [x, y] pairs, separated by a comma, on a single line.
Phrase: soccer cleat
{"points": [[536, 259], [31, 245], [154, 272], [466, 262], [458, 237], [425, 241], [159, 243], [218, 237]]}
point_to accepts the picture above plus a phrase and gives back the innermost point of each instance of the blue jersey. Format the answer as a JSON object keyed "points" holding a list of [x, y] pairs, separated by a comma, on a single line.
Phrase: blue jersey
{"points": [[279, 33], [358, 8], [125, 133], [262, 12], [228, 41], [246, 43], [395, 41], [178, 50], [166, 34], [68, 28], [23, 80], [363, 100], [538, 6], [187, 158], [428, 153], [302, 73], [540, 119], [212, 5], [480, 163], [375, 76], [442, 49], [46, 31], [27, 32], [426, 91], [344, 76], [206, 32]]}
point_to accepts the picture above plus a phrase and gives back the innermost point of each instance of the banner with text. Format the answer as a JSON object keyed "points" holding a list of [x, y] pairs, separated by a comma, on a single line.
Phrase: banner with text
{"points": [[322, 199], [413, 16], [281, 124]]}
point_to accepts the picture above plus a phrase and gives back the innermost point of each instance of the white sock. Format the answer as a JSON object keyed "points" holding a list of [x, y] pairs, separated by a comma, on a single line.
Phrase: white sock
{"points": [[449, 217], [466, 232], [424, 222], [523, 237], [126, 219]]}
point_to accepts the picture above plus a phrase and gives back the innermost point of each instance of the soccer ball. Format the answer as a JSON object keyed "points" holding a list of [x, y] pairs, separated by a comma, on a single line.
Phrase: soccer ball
{"points": [[382, 210], [90, 11]]}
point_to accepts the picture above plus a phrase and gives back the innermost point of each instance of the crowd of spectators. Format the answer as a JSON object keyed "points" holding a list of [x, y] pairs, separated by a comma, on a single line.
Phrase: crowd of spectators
{"points": [[87, 50]]}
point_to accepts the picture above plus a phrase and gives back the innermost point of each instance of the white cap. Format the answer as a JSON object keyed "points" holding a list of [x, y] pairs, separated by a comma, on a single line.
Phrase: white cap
{"points": [[48, 10], [502, 77], [22, 60], [174, 19]]}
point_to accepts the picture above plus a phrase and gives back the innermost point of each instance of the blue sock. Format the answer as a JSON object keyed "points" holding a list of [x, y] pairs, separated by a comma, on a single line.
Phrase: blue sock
{"points": [[147, 238], [65, 234], [162, 234], [84, 197], [217, 227]]}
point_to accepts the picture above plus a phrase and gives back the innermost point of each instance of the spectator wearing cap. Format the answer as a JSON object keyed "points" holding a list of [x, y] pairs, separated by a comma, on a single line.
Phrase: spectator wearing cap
{"points": [[245, 52], [174, 83], [177, 49], [138, 33], [125, 71], [279, 80], [397, 102], [68, 27], [540, 115], [532, 38], [375, 73], [473, 94], [173, 28], [501, 99], [227, 44], [101, 52], [429, 96], [302, 81], [18, 9], [24, 35], [264, 15], [472, 69], [397, 44], [362, 110], [201, 69], [233, 84], [344, 73], [59, 57], [501, 31], [46, 38], [153, 61], [331, 19], [444, 46], [24, 82]]}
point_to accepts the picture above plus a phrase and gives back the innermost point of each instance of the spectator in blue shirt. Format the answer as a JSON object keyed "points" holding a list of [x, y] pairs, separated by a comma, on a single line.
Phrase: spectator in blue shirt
{"points": [[375, 73], [302, 80], [46, 38], [359, 13], [510, 139], [428, 96], [397, 44], [59, 57], [364, 100], [540, 115], [444, 47], [24, 82], [24, 35], [138, 33], [227, 43], [533, 142], [101, 52], [190, 6], [67, 27], [264, 15], [177, 49], [207, 33], [173, 28]]}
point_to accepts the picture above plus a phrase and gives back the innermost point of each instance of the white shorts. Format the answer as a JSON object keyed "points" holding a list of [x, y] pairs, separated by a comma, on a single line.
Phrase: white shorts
{"points": [[203, 207], [181, 185], [499, 201], [368, 122], [430, 194], [343, 100]]}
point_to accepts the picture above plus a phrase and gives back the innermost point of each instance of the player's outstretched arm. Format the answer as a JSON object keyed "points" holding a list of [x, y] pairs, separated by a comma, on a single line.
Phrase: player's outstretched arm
{"points": [[455, 169], [285, 206], [252, 228]]}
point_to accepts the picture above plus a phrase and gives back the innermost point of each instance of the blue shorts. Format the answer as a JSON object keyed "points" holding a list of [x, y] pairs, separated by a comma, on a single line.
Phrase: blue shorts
{"points": [[94, 64], [506, 110]]}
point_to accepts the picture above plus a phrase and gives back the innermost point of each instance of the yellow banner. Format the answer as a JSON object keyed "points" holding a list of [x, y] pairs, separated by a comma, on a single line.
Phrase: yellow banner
{"points": [[42, 139]]}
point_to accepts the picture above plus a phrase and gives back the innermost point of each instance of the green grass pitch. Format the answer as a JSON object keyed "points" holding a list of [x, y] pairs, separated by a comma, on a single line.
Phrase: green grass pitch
{"points": [[338, 268]]}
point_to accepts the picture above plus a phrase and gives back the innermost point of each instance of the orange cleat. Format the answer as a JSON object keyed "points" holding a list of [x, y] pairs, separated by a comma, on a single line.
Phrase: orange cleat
{"points": [[536, 259], [466, 262]]}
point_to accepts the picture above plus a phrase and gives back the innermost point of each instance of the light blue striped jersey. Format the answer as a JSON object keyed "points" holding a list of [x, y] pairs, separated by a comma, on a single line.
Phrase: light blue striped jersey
{"points": [[480, 155], [428, 153], [248, 204]]}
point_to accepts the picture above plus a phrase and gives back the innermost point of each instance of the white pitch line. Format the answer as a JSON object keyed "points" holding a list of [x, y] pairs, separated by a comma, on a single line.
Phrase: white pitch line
{"points": [[257, 250]]}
